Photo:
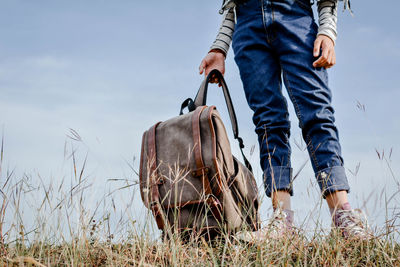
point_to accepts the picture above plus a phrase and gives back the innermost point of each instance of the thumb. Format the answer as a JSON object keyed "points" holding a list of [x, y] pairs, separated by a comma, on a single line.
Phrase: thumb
{"points": [[317, 47]]}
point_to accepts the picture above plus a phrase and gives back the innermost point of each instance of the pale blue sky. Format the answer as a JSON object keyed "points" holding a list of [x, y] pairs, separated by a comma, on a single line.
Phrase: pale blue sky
{"points": [[111, 69]]}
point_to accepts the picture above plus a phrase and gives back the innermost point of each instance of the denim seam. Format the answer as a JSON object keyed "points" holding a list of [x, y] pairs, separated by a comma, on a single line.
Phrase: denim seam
{"points": [[271, 37], [274, 36], [263, 17], [272, 12], [298, 113]]}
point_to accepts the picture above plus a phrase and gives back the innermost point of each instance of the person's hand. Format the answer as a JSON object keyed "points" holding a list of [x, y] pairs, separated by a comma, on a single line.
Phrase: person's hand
{"points": [[213, 60], [328, 57]]}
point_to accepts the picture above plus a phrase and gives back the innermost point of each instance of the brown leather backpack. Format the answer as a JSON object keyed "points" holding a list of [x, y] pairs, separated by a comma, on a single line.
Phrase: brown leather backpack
{"points": [[188, 176]]}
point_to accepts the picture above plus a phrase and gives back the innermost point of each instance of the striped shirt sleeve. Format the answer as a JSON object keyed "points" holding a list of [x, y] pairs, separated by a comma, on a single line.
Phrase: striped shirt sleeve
{"points": [[224, 37], [327, 13]]}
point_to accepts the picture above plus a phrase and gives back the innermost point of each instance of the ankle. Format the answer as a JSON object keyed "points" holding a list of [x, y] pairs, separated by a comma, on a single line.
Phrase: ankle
{"points": [[281, 200], [344, 206], [337, 200]]}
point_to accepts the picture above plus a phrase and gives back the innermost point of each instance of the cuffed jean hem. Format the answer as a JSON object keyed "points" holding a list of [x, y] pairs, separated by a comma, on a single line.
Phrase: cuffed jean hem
{"points": [[332, 179], [278, 178]]}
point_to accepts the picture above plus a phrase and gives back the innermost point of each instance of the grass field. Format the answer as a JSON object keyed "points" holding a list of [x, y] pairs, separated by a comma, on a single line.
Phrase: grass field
{"points": [[141, 251], [57, 224]]}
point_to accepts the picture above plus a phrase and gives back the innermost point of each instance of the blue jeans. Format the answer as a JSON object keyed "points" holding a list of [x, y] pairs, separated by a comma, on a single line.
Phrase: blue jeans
{"points": [[274, 39]]}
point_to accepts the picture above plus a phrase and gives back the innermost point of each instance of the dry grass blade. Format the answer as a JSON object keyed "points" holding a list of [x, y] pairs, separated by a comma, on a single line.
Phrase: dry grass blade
{"points": [[22, 261], [2, 150], [300, 169], [74, 135]]}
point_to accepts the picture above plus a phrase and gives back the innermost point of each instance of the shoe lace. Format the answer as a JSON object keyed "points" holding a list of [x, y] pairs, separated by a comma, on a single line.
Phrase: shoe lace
{"points": [[354, 221], [278, 220]]}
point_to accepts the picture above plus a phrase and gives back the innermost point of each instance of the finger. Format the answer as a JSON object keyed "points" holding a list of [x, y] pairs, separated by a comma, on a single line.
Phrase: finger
{"points": [[331, 56], [328, 62], [317, 47], [212, 79], [207, 71], [334, 59], [325, 54], [319, 62], [324, 58], [202, 66], [329, 65]]}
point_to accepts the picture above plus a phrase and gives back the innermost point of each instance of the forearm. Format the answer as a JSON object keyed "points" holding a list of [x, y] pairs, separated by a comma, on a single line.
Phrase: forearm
{"points": [[224, 36]]}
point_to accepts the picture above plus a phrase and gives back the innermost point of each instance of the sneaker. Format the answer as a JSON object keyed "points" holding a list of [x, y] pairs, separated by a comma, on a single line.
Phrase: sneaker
{"points": [[351, 223], [278, 227]]}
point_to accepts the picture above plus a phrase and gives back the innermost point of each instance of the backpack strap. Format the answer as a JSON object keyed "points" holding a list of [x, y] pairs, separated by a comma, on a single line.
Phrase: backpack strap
{"points": [[154, 204]]}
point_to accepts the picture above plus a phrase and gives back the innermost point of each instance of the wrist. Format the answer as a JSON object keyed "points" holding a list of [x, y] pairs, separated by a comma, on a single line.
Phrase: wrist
{"points": [[327, 36], [219, 51]]}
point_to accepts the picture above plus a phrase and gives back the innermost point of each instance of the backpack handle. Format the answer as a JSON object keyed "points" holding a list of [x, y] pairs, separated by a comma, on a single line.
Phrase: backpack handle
{"points": [[201, 99]]}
